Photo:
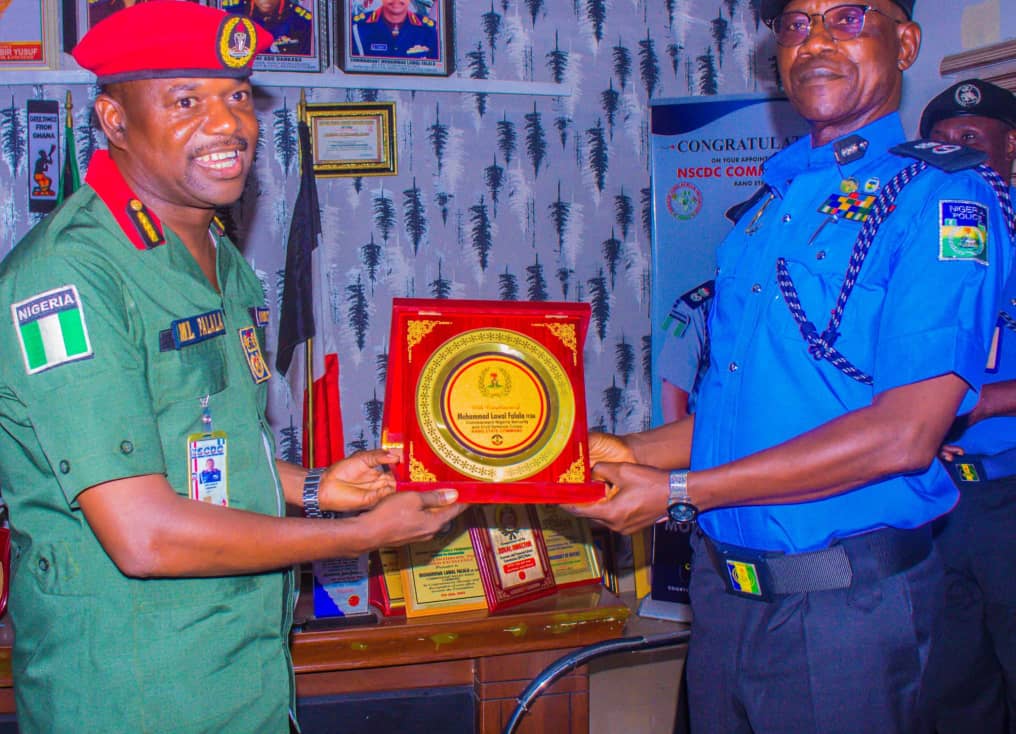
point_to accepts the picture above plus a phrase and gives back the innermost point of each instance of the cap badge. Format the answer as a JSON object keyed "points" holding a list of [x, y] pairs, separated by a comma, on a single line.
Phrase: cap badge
{"points": [[968, 95], [236, 41]]}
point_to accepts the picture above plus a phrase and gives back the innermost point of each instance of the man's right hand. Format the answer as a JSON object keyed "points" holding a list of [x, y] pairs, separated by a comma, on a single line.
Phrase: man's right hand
{"points": [[409, 517], [608, 447]]}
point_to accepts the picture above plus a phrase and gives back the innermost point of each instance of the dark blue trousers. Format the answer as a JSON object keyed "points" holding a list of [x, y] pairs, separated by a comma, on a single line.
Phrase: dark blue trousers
{"points": [[846, 661], [973, 667]]}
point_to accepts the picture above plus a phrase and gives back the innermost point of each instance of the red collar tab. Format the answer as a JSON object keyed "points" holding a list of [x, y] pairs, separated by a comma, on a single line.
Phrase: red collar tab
{"points": [[139, 223]]}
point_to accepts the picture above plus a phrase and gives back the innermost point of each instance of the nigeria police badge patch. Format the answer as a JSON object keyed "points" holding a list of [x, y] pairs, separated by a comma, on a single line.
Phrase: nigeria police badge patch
{"points": [[51, 329], [963, 231]]}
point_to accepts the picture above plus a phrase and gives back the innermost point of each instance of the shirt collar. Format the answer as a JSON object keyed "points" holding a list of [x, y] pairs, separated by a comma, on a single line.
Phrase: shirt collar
{"points": [[881, 135], [141, 226]]}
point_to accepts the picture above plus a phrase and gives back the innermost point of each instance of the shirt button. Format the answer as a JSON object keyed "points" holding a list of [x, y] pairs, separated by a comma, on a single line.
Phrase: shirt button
{"points": [[733, 366], [65, 466], [43, 565], [126, 447], [786, 218], [756, 288], [820, 255]]}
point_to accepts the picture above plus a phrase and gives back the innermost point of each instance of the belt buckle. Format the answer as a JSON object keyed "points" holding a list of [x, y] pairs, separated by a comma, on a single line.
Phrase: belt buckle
{"points": [[746, 574]]}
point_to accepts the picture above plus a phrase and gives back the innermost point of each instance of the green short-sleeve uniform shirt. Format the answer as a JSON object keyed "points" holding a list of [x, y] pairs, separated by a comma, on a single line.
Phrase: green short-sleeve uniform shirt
{"points": [[110, 340]]}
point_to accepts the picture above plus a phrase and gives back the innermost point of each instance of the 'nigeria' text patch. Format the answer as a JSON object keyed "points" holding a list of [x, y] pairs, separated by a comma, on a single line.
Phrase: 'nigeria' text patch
{"points": [[51, 329], [963, 231]]}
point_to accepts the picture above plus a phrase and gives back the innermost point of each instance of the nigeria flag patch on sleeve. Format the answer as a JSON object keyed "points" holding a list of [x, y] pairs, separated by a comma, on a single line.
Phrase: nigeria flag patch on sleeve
{"points": [[51, 329]]}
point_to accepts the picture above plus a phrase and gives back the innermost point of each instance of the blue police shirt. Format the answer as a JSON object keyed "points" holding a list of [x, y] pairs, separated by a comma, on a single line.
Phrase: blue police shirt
{"points": [[913, 315], [685, 351], [416, 37], [996, 436]]}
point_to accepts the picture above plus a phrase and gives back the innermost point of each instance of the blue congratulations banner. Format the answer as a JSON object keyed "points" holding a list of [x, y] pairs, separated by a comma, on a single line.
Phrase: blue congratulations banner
{"points": [[707, 155]]}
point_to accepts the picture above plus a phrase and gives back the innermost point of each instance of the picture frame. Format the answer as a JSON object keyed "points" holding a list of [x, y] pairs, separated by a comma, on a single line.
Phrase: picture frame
{"points": [[422, 43], [28, 35], [300, 28], [353, 139], [80, 15]]}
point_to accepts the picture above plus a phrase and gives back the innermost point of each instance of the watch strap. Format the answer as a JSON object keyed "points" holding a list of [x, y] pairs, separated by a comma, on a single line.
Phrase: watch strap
{"points": [[311, 484]]}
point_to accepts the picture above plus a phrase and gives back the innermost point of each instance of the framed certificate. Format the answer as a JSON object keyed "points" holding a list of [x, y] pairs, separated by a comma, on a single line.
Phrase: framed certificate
{"points": [[375, 37], [512, 556], [28, 34], [488, 397], [353, 139], [569, 542], [299, 27], [440, 575]]}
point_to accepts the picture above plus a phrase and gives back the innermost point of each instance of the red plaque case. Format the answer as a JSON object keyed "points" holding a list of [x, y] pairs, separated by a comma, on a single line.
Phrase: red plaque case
{"points": [[488, 397]]}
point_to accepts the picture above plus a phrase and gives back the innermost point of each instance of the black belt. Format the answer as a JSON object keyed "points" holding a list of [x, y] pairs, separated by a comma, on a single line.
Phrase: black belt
{"points": [[762, 575]]}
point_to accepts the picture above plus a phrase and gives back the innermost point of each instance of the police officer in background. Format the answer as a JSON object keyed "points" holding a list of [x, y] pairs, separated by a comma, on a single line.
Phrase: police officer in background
{"points": [[973, 666], [685, 351], [853, 313], [393, 30], [132, 350], [290, 24]]}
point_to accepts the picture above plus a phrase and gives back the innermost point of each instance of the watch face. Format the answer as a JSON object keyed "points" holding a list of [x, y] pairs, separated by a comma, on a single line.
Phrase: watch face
{"points": [[682, 512]]}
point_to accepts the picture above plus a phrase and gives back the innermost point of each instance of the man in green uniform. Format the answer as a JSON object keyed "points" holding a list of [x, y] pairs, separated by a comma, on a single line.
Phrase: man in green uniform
{"points": [[146, 599]]}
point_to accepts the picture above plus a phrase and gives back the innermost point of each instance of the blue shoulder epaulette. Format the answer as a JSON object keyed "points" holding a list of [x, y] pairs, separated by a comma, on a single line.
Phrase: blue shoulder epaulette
{"points": [[739, 210], [945, 156], [699, 294]]}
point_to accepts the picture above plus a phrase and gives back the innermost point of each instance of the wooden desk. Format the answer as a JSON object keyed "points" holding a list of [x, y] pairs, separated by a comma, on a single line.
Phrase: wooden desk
{"points": [[496, 656]]}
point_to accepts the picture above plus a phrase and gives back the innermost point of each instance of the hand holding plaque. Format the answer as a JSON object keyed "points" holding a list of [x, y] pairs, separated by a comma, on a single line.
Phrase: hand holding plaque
{"points": [[489, 398]]}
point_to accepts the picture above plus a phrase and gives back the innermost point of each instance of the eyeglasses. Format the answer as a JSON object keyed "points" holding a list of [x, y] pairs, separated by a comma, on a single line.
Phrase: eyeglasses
{"points": [[842, 23]]}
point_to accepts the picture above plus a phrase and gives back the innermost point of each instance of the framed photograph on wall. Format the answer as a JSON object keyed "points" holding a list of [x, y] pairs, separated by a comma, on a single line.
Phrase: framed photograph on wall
{"points": [[80, 15], [300, 28], [353, 139], [28, 32], [395, 36]]}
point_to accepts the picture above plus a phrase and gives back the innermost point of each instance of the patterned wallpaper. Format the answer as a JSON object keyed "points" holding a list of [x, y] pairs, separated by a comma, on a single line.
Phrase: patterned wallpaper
{"points": [[497, 196]]}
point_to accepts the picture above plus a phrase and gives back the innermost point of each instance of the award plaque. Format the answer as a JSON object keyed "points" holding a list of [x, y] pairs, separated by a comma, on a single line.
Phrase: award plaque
{"points": [[488, 397], [440, 575], [512, 556], [570, 547], [386, 583]]}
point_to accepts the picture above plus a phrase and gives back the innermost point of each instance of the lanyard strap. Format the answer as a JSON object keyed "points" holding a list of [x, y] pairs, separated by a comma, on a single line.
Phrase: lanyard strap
{"points": [[820, 346]]}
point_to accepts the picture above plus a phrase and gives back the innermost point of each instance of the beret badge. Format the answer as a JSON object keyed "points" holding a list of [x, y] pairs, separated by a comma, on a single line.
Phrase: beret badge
{"points": [[236, 41], [968, 95]]}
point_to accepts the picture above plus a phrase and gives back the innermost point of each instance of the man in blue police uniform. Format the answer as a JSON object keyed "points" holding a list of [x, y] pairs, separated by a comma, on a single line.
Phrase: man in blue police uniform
{"points": [[973, 666], [394, 31], [685, 351], [290, 24], [130, 351], [853, 313]]}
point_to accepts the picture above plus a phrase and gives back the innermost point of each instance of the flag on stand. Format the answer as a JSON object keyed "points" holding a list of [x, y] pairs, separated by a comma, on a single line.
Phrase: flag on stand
{"points": [[304, 309], [70, 179]]}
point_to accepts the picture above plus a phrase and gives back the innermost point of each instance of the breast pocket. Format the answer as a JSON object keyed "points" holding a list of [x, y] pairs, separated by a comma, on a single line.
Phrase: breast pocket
{"points": [[189, 373]]}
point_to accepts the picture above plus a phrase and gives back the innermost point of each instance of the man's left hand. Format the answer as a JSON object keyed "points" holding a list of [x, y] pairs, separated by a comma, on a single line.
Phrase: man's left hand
{"points": [[357, 482], [637, 498]]}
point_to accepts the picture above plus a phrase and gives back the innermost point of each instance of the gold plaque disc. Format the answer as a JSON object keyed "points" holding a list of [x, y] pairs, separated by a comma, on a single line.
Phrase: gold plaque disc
{"points": [[495, 405]]}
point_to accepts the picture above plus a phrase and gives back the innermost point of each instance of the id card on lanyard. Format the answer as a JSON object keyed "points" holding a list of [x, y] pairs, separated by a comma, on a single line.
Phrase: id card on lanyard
{"points": [[207, 465]]}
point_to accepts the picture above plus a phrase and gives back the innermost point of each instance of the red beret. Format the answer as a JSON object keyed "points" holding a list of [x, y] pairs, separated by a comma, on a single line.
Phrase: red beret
{"points": [[165, 39]]}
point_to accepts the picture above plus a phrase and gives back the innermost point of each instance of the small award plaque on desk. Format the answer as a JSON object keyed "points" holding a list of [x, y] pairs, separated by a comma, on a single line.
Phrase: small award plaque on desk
{"points": [[511, 554], [488, 397]]}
